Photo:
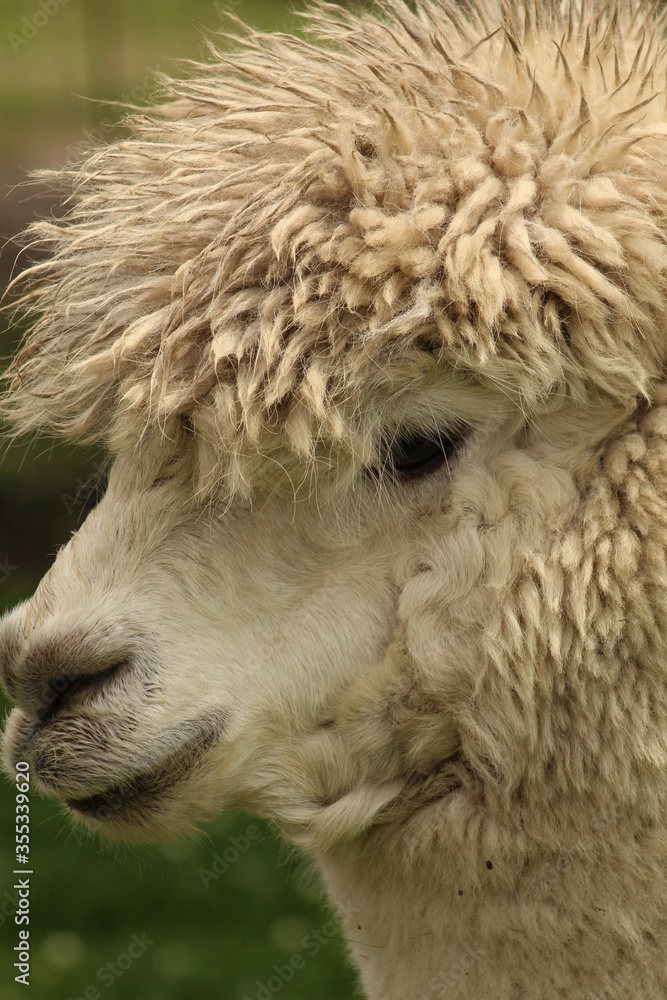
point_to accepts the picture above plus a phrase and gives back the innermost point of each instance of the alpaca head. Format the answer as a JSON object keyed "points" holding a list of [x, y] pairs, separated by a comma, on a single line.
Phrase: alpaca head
{"points": [[374, 336]]}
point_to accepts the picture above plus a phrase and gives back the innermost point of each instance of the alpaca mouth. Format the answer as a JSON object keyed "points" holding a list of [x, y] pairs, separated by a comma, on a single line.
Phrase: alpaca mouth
{"points": [[67, 761], [147, 789]]}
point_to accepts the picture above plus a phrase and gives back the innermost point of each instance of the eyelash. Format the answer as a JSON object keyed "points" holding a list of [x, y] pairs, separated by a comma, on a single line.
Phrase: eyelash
{"points": [[412, 456]]}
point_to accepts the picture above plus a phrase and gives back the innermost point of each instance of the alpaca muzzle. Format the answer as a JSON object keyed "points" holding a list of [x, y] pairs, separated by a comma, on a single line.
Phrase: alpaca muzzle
{"points": [[52, 671], [68, 686]]}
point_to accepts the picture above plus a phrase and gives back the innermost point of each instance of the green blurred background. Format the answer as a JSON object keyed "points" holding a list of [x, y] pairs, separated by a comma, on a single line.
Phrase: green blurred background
{"points": [[58, 60]]}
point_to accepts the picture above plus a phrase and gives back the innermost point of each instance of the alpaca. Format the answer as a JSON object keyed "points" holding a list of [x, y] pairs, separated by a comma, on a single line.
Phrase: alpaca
{"points": [[371, 324]]}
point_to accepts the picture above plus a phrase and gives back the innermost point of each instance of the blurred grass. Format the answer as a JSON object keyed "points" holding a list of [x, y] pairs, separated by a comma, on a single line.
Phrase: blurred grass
{"points": [[87, 901], [210, 942], [102, 50]]}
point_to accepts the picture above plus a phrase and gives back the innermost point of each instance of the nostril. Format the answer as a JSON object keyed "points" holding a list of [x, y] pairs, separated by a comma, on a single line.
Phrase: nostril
{"points": [[58, 691]]}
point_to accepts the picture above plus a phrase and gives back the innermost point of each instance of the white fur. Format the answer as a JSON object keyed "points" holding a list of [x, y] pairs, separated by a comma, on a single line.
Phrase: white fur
{"points": [[451, 691]]}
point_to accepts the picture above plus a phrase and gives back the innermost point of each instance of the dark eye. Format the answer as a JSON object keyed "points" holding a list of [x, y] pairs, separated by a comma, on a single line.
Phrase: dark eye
{"points": [[413, 455]]}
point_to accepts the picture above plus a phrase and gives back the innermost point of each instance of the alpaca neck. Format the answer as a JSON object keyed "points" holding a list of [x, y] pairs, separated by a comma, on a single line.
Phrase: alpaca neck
{"points": [[425, 923]]}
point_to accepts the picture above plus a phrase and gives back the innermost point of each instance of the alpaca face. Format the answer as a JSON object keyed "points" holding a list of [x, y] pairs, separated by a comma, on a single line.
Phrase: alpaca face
{"points": [[179, 658], [303, 656]]}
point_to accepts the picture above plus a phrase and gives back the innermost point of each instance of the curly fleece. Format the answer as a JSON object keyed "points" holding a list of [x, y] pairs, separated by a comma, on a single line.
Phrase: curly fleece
{"points": [[485, 183]]}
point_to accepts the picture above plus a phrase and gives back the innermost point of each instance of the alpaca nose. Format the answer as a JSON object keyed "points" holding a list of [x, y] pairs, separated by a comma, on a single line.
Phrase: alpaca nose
{"points": [[46, 676], [59, 691], [42, 697]]}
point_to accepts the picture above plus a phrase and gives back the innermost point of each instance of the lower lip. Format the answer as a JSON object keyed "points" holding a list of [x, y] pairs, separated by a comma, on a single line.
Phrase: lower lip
{"points": [[148, 788], [139, 793], [106, 805]]}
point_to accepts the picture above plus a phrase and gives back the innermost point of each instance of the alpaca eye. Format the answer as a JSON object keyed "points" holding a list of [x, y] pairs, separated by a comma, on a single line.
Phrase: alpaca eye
{"points": [[415, 455]]}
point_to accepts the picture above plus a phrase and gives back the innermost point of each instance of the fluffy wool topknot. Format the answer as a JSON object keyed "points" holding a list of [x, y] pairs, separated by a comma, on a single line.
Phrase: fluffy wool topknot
{"points": [[482, 184]]}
